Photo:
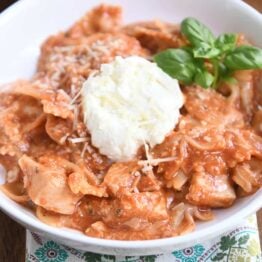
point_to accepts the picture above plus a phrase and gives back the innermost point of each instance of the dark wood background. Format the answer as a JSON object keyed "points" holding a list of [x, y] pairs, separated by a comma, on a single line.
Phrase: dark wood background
{"points": [[12, 235]]}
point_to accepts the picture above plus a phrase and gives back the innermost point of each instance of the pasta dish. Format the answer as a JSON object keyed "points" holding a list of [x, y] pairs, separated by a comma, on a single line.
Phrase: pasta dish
{"points": [[207, 145]]}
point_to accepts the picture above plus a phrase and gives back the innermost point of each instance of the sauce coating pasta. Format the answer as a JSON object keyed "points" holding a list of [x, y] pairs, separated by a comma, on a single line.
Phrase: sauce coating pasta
{"points": [[212, 157]]}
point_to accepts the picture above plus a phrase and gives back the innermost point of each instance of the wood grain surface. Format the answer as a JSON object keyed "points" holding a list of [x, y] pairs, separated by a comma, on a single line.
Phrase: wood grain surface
{"points": [[12, 235]]}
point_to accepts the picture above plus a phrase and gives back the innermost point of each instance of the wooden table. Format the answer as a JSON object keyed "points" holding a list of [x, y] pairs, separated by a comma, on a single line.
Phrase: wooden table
{"points": [[12, 235]]}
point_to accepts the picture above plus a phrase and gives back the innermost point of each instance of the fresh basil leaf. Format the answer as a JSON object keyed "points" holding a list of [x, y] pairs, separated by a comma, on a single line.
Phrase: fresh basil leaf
{"points": [[196, 32], [244, 57], [205, 51], [178, 63], [223, 70], [204, 78], [225, 75], [226, 42], [188, 49], [229, 80]]}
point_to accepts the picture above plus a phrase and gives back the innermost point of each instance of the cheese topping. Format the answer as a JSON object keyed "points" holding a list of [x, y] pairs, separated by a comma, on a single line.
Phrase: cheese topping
{"points": [[130, 102]]}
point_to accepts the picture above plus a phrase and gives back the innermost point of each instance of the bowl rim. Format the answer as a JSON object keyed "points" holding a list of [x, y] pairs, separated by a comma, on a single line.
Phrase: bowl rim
{"points": [[216, 229]]}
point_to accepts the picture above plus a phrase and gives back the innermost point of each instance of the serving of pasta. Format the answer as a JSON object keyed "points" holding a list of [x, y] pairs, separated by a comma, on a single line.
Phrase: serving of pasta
{"points": [[209, 159]]}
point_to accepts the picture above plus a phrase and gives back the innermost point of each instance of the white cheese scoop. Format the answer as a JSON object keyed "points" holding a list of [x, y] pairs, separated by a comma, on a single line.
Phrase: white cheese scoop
{"points": [[130, 102]]}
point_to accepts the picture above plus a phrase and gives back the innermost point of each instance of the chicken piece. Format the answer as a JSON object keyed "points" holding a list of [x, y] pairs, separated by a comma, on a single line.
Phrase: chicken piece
{"points": [[104, 18], [248, 175], [78, 184], [121, 177], [93, 161], [47, 186], [143, 207], [148, 181], [211, 191]]}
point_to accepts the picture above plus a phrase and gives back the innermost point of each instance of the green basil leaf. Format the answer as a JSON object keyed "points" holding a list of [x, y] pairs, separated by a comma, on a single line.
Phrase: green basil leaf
{"points": [[223, 70], [229, 80], [205, 51], [178, 63], [204, 78], [196, 32], [226, 42], [244, 57]]}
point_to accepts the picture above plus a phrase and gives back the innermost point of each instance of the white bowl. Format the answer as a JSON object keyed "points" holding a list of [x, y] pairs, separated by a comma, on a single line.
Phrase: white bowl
{"points": [[27, 23]]}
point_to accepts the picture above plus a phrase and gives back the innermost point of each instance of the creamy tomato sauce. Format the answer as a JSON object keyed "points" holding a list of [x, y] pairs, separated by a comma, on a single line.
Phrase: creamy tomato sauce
{"points": [[212, 157]]}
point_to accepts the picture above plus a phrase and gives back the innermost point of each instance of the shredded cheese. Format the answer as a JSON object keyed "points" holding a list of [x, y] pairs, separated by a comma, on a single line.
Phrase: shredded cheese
{"points": [[76, 113], [156, 161], [78, 140], [63, 139], [76, 97], [148, 155], [84, 150]]}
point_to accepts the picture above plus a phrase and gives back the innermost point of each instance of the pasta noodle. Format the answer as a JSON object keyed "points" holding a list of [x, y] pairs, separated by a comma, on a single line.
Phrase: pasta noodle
{"points": [[211, 158]]}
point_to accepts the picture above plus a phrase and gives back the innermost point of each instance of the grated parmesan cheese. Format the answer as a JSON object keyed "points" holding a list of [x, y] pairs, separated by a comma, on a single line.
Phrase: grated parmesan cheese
{"points": [[78, 140], [156, 161], [76, 113], [84, 150]]}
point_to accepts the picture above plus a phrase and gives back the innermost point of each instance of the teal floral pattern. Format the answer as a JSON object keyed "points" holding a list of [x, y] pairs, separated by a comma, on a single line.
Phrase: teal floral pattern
{"points": [[189, 254], [51, 252], [240, 244], [151, 258], [93, 257]]}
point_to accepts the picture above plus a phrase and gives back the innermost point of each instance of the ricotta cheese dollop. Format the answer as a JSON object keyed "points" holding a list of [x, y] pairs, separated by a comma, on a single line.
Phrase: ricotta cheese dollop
{"points": [[130, 102]]}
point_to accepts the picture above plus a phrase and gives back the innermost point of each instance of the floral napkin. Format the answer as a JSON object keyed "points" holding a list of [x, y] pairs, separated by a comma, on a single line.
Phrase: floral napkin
{"points": [[237, 245]]}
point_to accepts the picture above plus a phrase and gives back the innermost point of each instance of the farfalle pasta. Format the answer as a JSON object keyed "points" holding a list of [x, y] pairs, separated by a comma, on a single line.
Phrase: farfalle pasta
{"points": [[212, 157]]}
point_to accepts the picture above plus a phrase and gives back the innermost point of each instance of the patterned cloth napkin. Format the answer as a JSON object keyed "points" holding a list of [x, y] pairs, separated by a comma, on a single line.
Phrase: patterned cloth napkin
{"points": [[238, 245]]}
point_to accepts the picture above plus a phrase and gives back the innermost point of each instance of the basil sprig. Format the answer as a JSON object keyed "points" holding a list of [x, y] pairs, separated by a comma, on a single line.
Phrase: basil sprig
{"points": [[207, 60], [178, 63], [244, 57], [196, 32]]}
